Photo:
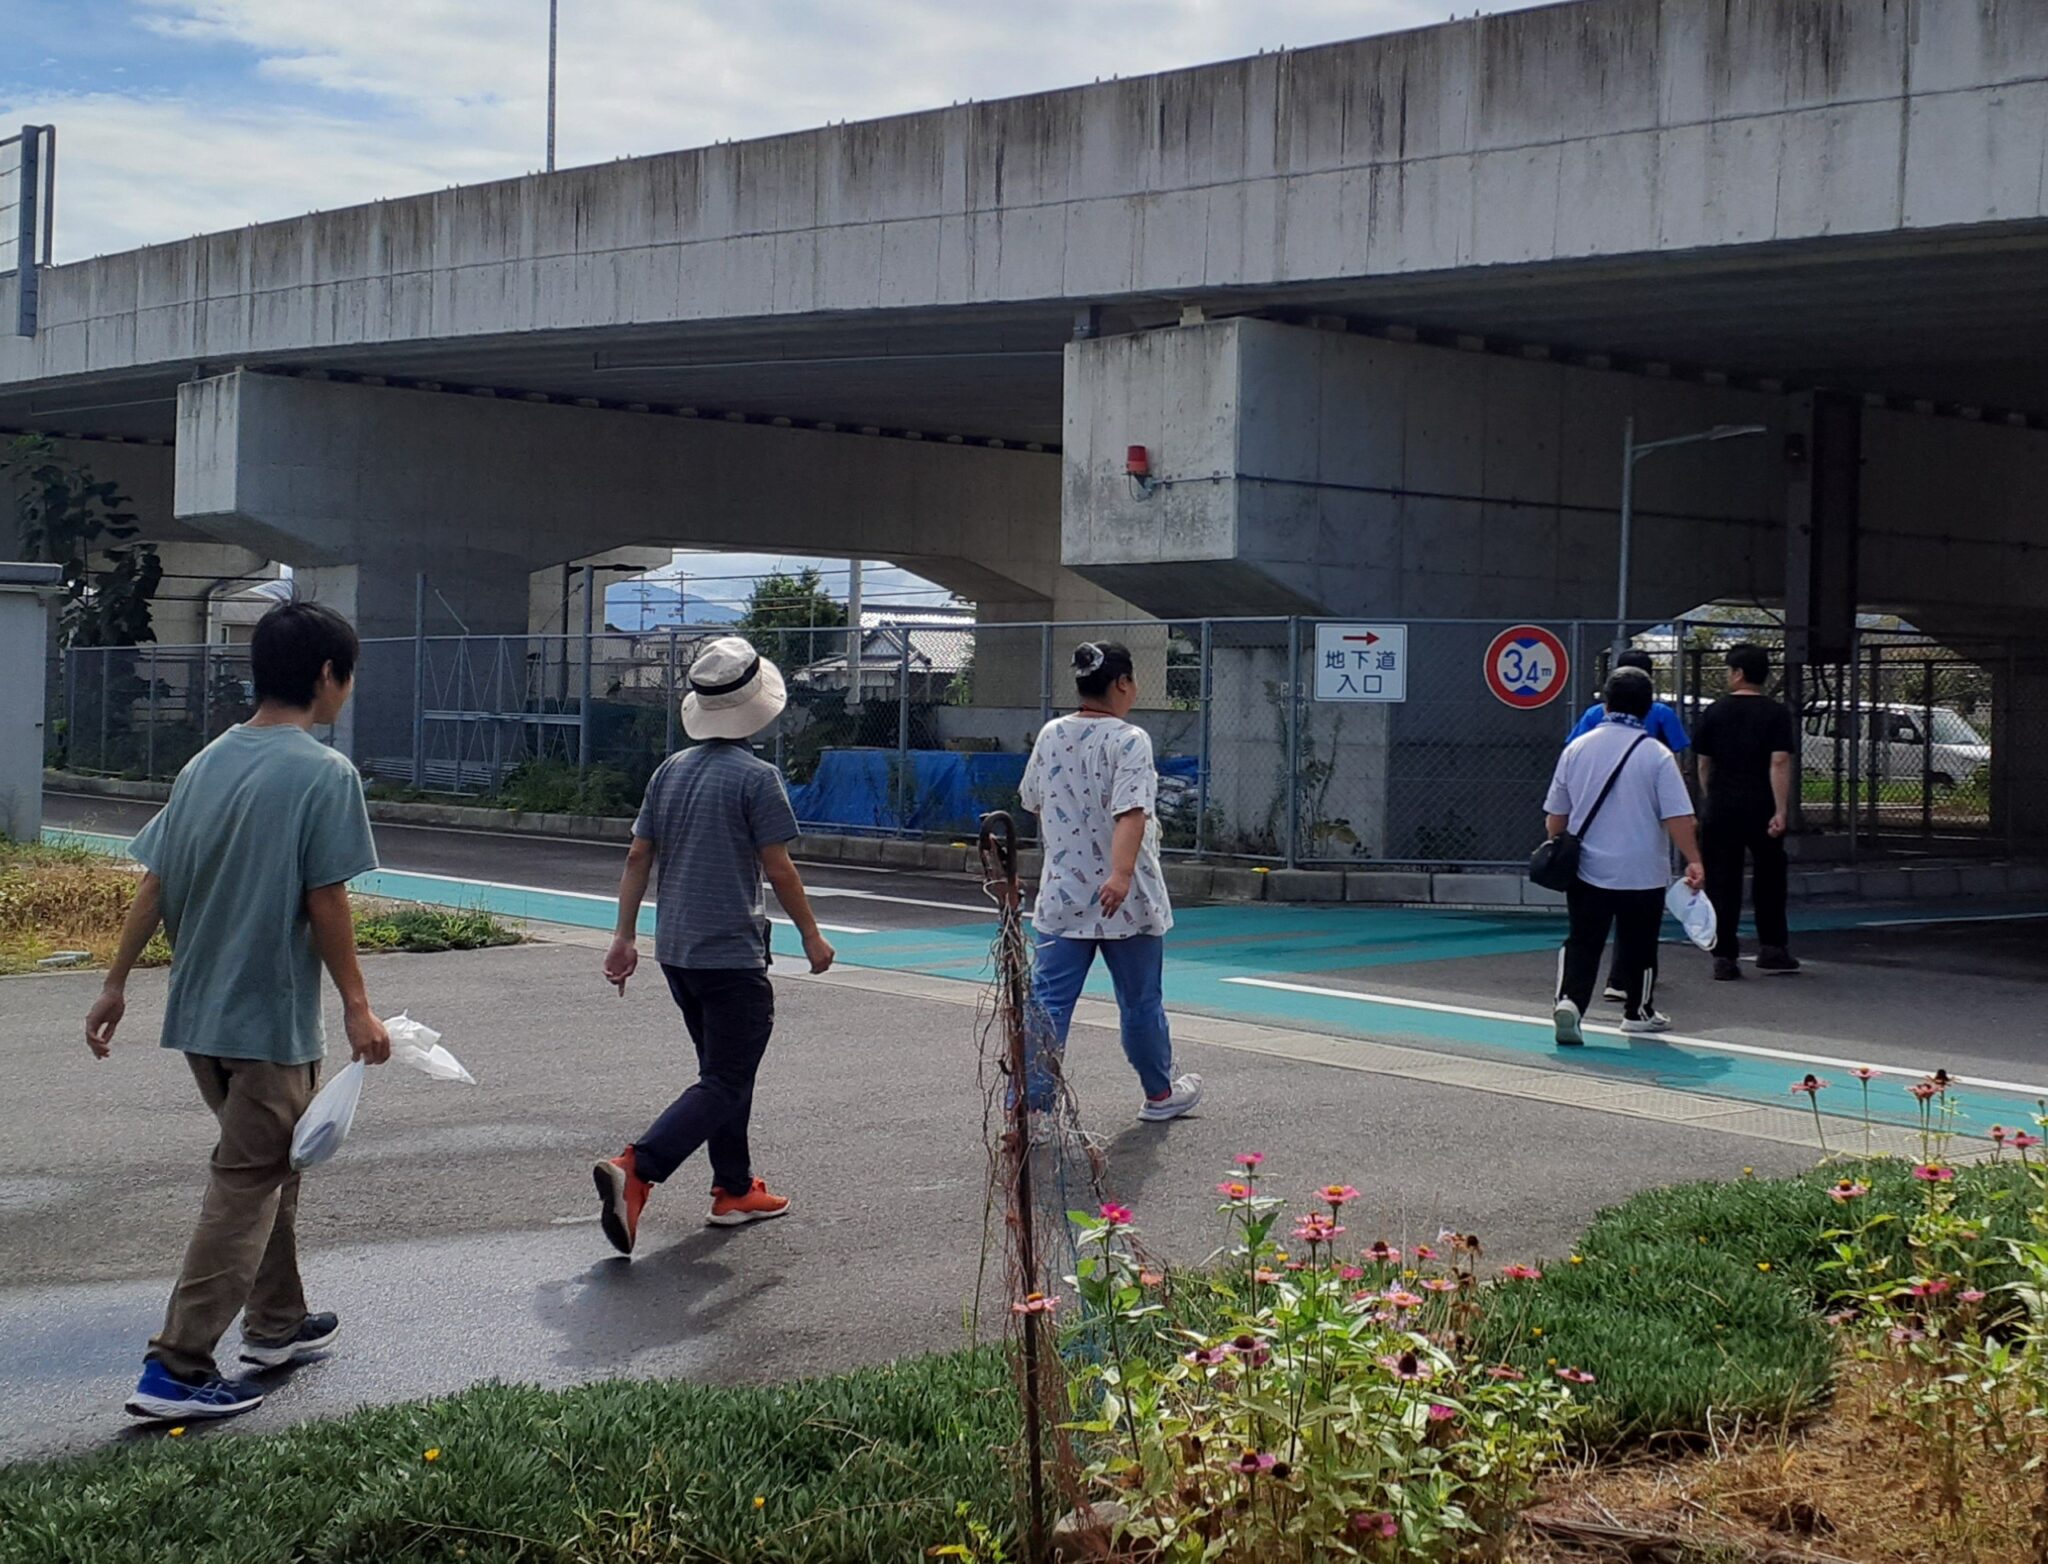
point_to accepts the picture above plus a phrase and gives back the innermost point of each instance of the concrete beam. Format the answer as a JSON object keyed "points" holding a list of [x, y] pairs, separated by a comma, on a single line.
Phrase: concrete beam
{"points": [[321, 473]]}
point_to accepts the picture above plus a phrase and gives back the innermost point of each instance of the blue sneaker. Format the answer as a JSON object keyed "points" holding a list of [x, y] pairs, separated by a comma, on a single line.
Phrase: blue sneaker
{"points": [[161, 1394], [316, 1333]]}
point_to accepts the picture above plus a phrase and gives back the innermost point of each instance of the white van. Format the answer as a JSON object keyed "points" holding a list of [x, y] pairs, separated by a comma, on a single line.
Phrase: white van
{"points": [[1912, 741]]}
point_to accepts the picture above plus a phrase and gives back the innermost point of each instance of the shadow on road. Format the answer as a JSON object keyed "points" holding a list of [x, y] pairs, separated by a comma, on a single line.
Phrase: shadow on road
{"points": [[623, 1306]]}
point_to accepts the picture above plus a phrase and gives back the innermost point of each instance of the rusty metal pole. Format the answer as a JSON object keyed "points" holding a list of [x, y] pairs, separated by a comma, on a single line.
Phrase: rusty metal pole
{"points": [[998, 844]]}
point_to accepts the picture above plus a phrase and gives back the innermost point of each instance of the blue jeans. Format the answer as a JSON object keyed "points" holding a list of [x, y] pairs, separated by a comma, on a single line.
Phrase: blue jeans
{"points": [[1135, 965]]}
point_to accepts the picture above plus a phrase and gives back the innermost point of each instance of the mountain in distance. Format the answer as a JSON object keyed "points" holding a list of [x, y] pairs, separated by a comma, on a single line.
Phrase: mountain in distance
{"points": [[656, 605]]}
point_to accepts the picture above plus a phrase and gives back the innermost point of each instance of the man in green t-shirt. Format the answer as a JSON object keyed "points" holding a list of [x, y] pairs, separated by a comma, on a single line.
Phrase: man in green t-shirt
{"points": [[247, 869]]}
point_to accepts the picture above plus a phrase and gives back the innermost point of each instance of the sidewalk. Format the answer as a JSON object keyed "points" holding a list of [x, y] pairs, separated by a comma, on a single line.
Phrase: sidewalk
{"points": [[456, 1235]]}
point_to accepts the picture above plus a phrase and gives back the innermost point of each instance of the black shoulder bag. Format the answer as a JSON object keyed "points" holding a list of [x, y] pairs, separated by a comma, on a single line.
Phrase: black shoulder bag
{"points": [[1555, 865]]}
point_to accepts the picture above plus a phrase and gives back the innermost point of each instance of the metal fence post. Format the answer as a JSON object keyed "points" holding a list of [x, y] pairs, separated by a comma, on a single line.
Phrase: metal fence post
{"points": [[149, 742], [1207, 695], [583, 733], [70, 658], [419, 681], [205, 695], [1044, 673], [106, 679], [668, 702], [903, 729], [1927, 749], [1293, 688]]}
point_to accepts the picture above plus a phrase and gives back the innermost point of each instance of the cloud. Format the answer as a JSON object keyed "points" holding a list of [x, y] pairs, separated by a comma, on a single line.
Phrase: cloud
{"points": [[328, 105]]}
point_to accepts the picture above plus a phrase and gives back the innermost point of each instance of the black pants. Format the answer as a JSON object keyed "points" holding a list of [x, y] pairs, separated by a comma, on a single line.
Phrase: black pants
{"points": [[1726, 834], [730, 1015], [1634, 916]]}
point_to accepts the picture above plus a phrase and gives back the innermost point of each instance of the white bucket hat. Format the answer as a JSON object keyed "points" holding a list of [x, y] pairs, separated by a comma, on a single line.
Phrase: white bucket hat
{"points": [[735, 692]]}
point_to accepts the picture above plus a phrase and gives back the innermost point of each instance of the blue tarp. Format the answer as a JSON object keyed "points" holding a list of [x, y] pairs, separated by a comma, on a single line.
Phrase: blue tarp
{"points": [[947, 791]]}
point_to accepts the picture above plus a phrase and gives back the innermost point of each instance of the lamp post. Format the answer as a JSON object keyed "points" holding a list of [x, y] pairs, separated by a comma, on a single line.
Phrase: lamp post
{"points": [[552, 7], [1631, 453]]}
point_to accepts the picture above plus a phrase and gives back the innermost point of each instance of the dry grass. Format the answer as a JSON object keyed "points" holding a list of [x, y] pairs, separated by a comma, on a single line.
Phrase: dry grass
{"points": [[67, 898], [62, 898], [1844, 1487]]}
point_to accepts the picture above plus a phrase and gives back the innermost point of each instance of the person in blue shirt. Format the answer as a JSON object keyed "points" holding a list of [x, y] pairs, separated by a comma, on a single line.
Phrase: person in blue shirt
{"points": [[1663, 723]]}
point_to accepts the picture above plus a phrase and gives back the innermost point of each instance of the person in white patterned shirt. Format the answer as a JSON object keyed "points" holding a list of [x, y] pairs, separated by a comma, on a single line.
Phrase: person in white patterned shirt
{"points": [[1093, 785]]}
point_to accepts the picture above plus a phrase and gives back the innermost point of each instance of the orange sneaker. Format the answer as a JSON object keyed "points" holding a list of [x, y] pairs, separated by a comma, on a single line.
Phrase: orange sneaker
{"points": [[621, 1193], [756, 1205]]}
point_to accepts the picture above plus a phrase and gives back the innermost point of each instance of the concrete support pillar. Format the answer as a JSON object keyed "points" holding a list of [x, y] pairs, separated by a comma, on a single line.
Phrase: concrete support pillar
{"points": [[1316, 472], [24, 640]]}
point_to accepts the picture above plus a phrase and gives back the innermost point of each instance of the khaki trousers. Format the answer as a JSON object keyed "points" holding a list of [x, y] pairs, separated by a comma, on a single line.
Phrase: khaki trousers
{"points": [[244, 1252]]}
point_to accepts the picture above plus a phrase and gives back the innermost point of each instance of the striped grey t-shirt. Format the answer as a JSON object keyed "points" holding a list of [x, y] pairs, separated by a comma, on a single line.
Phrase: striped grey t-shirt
{"points": [[709, 811]]}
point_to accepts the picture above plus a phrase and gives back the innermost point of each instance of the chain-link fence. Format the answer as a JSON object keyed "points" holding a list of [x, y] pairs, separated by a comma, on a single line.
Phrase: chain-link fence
{"points": [[1287, 741]]}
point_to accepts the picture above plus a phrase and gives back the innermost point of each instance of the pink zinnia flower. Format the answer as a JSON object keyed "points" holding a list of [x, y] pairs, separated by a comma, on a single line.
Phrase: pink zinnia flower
{"points": [[1440, 1284], [1252, 1462], [2023, 1140], [1998, 1133], [1863, 1072], [1234, 1191], [1401, 1299], [1521, 1273], [1902, 1334], [1575, 1376], [1209, 1357], [1924, 1090], [1406, 1367], [1375, 1523], [1266, 1276], [1315, 1228], [1424, 1252], [1383, 1253], [1842, 1317], [1151, 1278], [1439, 1413], [1118, 1215], [1847, 1191], [1350, 1273], [1250, 1159], [1335, 1195], [1928, 1173], [1934, 1288], [1035, 1303], [1504, 1372], [1971, 1295], [1810, 1085]]}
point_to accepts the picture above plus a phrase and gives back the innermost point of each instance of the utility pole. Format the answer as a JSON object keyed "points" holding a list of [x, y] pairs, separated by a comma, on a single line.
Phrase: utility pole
{"points": [[553, 6]]}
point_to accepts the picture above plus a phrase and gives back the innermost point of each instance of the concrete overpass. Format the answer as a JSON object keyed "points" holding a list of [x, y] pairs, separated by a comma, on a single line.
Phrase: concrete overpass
{"points": [[1377, 308]]}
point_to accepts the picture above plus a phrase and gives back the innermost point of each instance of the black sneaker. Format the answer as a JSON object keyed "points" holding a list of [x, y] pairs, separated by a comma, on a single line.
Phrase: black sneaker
{"points": [[1726, 969], [1776, 958], [316, 1333]]}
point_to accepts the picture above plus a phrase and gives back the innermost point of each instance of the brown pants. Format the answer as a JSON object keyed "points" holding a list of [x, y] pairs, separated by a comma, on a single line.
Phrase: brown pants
{"points": [[244, 1252]]}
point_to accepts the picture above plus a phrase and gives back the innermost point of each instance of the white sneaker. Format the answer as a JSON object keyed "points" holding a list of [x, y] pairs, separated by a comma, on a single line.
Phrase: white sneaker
{"points": [[1187, 1091], [1613, 995], [1648, 1021], [1566, 1017]]}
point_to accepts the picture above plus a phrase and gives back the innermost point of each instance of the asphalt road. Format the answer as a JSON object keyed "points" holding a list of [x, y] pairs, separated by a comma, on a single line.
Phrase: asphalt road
{"points": [[456, 1231]]}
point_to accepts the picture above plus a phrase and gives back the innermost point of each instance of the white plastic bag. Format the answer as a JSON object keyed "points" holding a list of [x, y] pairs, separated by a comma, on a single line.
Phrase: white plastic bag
{"points": [[324, 1125], [419, 1045], [1695, 914]]}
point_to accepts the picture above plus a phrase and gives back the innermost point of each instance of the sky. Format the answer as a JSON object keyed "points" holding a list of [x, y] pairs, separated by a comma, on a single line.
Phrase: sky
{"points": [[178, 117]]}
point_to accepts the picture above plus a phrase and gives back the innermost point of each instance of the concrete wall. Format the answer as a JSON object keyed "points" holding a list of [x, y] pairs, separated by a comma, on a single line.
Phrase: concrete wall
{"points": [[1315, 472], [1609, 128], [24, 643]]}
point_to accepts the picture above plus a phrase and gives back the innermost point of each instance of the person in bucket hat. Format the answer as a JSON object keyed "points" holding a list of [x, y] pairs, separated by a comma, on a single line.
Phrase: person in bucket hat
{"points": [[715, 820]]}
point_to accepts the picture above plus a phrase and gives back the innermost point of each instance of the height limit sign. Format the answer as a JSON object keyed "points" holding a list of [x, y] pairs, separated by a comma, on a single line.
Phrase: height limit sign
{"points": [[1361, 662]]}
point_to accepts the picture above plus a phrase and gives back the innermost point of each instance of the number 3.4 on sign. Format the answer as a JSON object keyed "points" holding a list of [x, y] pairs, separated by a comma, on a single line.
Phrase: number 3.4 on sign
{"points": [[1361, 662]]}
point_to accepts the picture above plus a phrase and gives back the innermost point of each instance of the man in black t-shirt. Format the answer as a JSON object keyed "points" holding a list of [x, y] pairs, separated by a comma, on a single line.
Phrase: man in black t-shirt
{"points": [[1745, 746]]}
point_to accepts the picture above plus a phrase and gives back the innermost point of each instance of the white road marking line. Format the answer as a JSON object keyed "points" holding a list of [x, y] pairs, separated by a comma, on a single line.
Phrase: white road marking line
{"points": [[1971, 917], [590, 896], [848, 891], [1752, 1049]]}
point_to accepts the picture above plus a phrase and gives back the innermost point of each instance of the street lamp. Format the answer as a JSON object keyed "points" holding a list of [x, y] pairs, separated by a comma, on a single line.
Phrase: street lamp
{"points": [[1631, 453], [552, 5]]}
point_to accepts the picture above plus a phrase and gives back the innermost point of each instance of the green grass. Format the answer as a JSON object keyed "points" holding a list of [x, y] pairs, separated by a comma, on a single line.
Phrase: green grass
{"points": [[424, 930], [1670, 1306], [866, 1466]]}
